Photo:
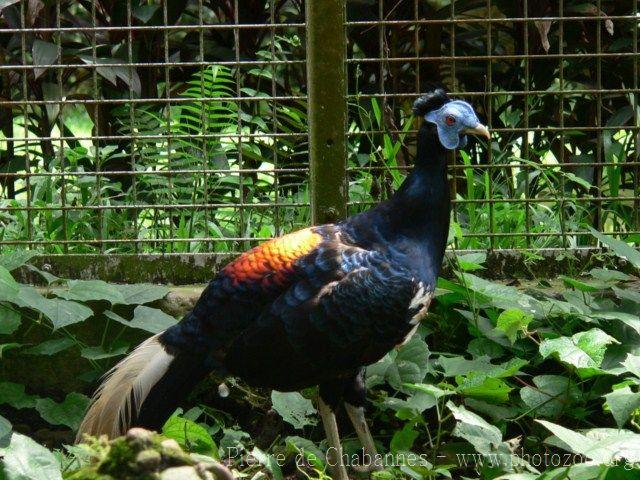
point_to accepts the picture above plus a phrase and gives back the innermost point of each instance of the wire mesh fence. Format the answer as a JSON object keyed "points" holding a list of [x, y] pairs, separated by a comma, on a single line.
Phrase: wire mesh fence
{"points": [[168, 127]]}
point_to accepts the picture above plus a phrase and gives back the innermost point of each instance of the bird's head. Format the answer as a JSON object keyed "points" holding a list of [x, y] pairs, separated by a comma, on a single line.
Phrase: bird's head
{"points": [[454, 119]]}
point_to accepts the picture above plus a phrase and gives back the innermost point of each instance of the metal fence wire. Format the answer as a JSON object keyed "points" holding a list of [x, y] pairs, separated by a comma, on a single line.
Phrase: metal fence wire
{"points": [[136, 127]]}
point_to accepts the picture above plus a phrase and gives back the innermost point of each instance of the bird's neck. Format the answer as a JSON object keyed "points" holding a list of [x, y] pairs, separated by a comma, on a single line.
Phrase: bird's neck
{"points": [[426, 187], [421, 207]]}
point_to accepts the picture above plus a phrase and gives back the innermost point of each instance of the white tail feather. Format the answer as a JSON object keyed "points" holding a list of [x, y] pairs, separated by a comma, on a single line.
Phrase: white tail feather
{"points": [[110, 410]]}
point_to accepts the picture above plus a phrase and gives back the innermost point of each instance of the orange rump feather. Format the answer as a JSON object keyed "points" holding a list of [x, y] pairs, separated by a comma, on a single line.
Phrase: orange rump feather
{"points": [[273, 260]]}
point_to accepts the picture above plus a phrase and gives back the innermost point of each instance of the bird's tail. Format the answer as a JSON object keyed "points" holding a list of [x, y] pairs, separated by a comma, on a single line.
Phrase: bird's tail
{"points": [[142, 390]]}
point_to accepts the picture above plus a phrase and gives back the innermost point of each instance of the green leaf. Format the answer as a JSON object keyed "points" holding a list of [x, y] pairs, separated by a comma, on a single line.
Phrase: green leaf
{"points": [[608, 276], [99, 353], [294, 408], [9, 320], [584, 350], [51, 347], [8, 346], [478, 385], [191, 436], [140, 293], [16, 259], [68, 413], [578, 285], [90, 290], [44, 53], [553, 393], [61, 312], [484, 437], [472, 261], [512, 321], [620, 248], [5, 432], [24, 459], [603, 445], [408, 364], [622, 402], [503, 296], [269, 462], [9, 288], [148, 319], [308, 449], [632, 364], [14, 394], [402, 440]]}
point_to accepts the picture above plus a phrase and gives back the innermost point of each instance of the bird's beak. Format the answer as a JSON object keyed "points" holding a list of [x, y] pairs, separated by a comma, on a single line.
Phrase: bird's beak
{"points": [[480, 130]]}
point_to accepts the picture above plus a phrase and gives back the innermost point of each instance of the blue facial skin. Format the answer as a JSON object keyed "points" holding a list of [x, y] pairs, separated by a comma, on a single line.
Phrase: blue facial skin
{"points": [[451, 119]]}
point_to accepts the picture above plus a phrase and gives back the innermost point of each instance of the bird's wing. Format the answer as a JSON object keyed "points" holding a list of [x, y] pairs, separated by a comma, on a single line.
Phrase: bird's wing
{"points": [[246, 288], [350, 322]]}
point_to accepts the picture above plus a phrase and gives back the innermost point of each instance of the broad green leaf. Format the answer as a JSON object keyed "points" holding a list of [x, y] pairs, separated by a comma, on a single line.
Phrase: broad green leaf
{"points": [[269, 463], [16, 259], [69, 412], [191, 436], [411, 407], [9, 288], [402, 440], [148, 319], [306, 447], [632, 364], [484, 437], [408, 364], [552, 394], [503, 296], [627, 294], [573, 441], [579, 285], [51, 347], [479, 385], [5, 432], [14, 394], [620, 248], [88, 290], [294, 408], [622, 402], [44, 53], [512, 321], [483, 347], [140, 293], [24, 459], [432, 390], [472, 261], [606, 275], [9, 320], [99, 353], [603, 445], [8, 346], [454, 366], [61, 312], [584, 350]]}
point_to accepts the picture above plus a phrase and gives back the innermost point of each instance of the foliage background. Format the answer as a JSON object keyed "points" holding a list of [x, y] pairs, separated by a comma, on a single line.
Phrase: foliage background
{"points": [[138, 131], [538, 367]]}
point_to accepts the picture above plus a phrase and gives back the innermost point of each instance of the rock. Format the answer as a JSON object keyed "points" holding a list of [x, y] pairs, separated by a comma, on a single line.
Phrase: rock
{"points": [[180, 473], [139, 437], [149, 459], [170, 444]]}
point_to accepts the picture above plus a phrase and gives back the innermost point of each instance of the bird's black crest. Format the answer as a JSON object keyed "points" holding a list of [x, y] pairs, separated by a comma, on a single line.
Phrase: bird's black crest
{"points": [[430, 101]]}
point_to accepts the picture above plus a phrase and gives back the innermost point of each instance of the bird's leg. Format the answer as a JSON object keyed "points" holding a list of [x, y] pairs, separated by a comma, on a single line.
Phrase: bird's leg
{"points": [[334, 453], [356, 415]]}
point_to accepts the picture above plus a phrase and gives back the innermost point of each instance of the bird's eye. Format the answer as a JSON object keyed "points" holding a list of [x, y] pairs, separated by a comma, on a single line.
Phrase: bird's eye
{"points": [[450, 119]]}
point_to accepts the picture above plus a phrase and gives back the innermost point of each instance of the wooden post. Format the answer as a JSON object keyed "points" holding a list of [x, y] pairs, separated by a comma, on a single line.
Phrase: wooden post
{"points": [[327, 93]]}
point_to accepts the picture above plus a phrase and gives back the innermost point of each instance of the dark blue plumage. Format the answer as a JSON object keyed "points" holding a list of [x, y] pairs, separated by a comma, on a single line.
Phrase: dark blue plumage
{"points": [[316, 306]]}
